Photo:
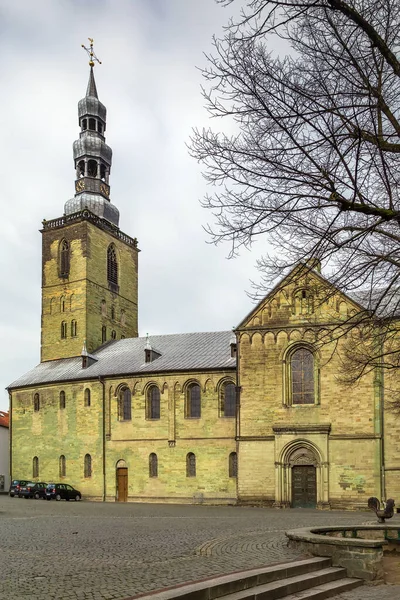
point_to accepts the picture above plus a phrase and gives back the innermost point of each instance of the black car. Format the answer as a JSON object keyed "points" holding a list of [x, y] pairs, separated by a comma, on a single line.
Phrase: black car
{"points": [[61, 491], [33, 490], [15, 487]]}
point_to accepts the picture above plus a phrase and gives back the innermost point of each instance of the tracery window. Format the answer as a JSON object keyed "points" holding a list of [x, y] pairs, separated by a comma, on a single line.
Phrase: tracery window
{"points": [[193, 401], [64, 258], [36, 403], [233, 464], [153, 403], [35, 467], [302, 385], [153, 465], [228, 399], [88, 466], [190, 465], [62, 466], [87, 397], [62, 399], [125, 404], [112, 265]]}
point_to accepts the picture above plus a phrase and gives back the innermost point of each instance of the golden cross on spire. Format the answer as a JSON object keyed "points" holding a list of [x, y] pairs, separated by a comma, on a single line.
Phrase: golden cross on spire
{"points": [[91, 53]]}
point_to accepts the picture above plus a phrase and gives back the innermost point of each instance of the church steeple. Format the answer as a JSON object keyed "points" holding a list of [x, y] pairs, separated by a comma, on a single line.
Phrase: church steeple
{"points": [[92, 156]]}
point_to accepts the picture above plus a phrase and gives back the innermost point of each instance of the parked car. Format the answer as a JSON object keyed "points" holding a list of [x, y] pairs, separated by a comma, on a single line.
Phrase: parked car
{"points": [[61, 491], [33, 490], [15, 487]]}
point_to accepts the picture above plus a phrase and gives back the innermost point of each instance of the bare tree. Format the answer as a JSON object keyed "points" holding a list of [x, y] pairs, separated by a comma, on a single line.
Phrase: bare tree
{"points": [[313, 164]]}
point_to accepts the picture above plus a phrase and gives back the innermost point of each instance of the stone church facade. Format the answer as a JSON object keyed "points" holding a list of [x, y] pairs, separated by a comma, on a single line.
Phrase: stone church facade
{"points": [[251, 416]]}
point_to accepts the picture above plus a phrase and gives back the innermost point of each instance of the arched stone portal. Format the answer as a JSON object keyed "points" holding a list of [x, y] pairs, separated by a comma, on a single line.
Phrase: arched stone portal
{"points": [[121, 481], [301, 477]]}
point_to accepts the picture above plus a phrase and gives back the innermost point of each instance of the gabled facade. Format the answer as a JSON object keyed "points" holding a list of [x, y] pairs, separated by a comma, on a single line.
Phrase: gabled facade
{"points": [[257, 416]]}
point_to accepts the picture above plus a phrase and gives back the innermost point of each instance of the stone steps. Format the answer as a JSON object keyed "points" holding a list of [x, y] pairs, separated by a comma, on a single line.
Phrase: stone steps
{"points": [[312, 578]]}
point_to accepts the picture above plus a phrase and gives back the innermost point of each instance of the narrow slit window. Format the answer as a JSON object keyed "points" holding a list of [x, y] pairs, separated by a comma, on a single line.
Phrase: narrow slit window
{"points": [[190, 465], [153, 465], [35, 467], [62, 399], [62, 466], [88, 466]]}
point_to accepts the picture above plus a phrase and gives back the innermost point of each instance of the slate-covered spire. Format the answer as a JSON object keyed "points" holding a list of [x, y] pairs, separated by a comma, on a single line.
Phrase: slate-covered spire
{"points": [[92, 156]]}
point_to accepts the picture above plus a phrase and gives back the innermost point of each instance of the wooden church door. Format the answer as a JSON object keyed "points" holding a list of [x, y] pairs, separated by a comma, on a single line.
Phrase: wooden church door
{"points": [[304, 487], [122, 484]]}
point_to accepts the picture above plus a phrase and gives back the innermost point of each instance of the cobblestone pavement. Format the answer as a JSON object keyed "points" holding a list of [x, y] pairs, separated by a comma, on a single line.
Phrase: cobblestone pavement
{"points": [[98, 551]]}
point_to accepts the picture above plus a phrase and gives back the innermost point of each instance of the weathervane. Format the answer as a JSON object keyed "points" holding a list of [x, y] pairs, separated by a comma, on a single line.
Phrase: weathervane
{"points": [[91, 54]]}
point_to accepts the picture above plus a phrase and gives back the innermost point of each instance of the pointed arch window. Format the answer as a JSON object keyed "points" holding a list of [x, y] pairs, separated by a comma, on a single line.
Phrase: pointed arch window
{"points": [[112, 267], [62, 399], [35, 467], [193, 401], [228, 399], [62, 466], [87, 397], [88, 466], [153, 465], [125, 404], [64, 255], [36, 403], [233, 464], [190, 465], [153, 403], [74, 328]]}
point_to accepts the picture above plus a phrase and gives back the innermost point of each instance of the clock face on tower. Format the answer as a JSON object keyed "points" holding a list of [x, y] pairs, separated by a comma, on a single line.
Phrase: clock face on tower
{"points": [[104, 189], [79, 185]]}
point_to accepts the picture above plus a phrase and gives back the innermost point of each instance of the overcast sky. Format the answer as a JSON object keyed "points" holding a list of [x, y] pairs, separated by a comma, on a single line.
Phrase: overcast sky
{"points": [[151, 87]]}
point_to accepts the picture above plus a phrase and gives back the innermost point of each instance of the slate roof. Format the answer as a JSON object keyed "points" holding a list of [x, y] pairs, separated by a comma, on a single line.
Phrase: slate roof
{"points": [[179, 352]]}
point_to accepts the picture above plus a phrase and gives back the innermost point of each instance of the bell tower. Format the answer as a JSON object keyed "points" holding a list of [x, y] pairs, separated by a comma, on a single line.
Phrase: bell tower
{"points": [[89, 266]]}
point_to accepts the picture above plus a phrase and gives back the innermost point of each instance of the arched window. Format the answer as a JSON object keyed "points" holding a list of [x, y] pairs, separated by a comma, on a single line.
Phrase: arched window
{"points": [[112, 265], [153, 403], [92, 168], [103, 334], [233, 464], [35, 467], [92, 124], [74, 328], [112, 312], [103, 308], [113, 334], [193, 401], [100, 129], [62, 304], [228, 399], [124, 405], [64, 258], [87, 397], [36, 403], [84, 124], [88, 466], [302, 386], [62, 466], [123, 318], [153, 465], [62, 399], [190, 465], [63, 330]]}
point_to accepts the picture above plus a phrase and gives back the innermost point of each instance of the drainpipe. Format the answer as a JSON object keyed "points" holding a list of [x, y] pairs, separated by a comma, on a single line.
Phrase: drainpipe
{"points": [[10, 434], [382, 419], [101, 380]]}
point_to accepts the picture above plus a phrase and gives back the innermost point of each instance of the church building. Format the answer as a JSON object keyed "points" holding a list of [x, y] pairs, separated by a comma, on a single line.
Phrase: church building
{"points": [[255, 416]]}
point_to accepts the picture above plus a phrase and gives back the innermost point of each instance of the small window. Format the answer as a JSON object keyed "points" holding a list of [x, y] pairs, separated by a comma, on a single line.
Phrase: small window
{"points": [[73, 328], [103, 308], [103, 334], [233, 464], [35, 467], [228, 399], [64, 259], [112, 265], [153, 465], [92, 168], [193, 401], [62, 399], [99, 127], [62, 466], [92, 124], [87, 397], [88, 466], [113, 334], [123, 318], [36, 403], [153, 402], [190, 465], [302, 377], [113, 313], [64, 330], [84, 124], [80, 171], [124, 405]]}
